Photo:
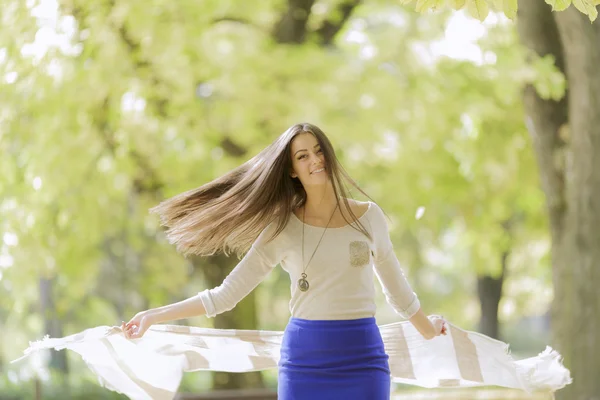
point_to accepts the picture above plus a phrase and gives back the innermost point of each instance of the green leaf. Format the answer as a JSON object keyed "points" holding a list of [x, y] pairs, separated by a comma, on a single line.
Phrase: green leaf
{"points": [[426, 5], [587, 7], [496, 5], [548, 80], [478, 9], [510, 8], [559, 5], [459, 4]]}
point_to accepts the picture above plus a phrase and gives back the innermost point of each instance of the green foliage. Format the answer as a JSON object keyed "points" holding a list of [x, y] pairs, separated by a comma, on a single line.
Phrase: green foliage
{"points": [[587, 7], [480, 9], [141, 103]]}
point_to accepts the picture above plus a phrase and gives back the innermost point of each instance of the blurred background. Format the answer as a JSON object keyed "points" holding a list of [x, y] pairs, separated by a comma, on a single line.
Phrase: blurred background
{"points": [[452, 115]]}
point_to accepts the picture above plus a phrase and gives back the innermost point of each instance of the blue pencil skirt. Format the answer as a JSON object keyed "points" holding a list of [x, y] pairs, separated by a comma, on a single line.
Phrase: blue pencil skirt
{"points": [[333, 360]]}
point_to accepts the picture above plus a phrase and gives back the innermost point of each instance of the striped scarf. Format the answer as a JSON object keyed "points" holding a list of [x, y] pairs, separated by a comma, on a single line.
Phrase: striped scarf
{"points": [[152, 367]]}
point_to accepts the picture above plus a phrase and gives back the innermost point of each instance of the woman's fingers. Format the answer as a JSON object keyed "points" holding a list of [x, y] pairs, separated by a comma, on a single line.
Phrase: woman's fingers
{"points": [[137, 332], [136, 327], [134, 331], [130, 329], [440, 324], [124, 329]]}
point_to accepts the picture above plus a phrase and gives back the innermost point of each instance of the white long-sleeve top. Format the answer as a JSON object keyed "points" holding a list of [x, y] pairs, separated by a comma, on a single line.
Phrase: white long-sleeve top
{"points": [[340, 274]]}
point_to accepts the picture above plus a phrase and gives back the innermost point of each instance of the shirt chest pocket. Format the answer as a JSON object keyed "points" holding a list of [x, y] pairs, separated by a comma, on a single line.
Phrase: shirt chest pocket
{"points": [[360, 253]]}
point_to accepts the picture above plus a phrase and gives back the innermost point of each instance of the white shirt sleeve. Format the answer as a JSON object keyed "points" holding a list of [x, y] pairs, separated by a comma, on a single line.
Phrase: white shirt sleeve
{"points": [[258, 262], [396, 288]]}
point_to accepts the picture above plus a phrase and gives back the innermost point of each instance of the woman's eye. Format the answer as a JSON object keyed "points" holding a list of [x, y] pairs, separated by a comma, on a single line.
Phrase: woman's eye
{"points": [[302, 156]]}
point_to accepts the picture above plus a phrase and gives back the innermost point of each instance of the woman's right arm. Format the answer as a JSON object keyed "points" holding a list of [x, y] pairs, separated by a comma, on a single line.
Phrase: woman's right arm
{"points": [[139, 324], [187, 308], [250, 271]]}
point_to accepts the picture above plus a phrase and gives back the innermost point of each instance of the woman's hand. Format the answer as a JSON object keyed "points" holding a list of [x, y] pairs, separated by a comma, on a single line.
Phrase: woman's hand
{"points": [[439, 324], [429, 326], [138, 325]]}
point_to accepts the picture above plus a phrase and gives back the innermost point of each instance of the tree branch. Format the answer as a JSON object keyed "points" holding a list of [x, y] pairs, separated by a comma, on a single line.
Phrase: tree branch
{"points": [[232, 148], [291, 28], [237, 20], [330, 27], [160, 103]]}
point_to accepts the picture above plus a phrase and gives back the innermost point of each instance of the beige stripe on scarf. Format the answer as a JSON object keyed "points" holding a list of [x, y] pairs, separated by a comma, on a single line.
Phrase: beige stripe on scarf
{"points": [[152, 391], [396, 347], [264, 357], [466, 355]]}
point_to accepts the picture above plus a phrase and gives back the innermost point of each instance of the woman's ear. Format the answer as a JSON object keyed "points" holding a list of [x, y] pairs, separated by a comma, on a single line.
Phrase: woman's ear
{"points": [[293, 174]]}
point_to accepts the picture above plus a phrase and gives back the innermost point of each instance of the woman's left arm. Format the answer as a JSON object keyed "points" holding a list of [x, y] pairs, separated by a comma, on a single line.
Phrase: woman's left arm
{"points": [[429, 327], [396, 288]]}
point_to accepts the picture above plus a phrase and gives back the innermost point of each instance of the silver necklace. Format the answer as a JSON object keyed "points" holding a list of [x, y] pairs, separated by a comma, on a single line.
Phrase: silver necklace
{"points": [[302, 282]]}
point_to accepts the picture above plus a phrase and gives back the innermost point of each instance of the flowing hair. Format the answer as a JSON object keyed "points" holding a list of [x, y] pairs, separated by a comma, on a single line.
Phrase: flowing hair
{"points": [[228, 214]]}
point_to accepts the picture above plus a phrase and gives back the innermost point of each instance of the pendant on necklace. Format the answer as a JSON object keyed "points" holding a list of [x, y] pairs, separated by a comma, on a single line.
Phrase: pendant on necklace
{"points": [[303, 283]]}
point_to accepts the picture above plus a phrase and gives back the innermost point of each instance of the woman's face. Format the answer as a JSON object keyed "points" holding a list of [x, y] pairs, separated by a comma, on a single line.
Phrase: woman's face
{"points": [[308, 162]]}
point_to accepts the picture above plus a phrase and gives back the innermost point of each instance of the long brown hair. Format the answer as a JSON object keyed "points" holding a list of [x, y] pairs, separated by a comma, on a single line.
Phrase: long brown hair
{"points": [[229, 213]]}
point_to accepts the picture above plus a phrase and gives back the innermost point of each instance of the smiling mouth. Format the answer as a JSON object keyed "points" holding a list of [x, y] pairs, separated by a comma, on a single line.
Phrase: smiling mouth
{"points": [[317, 171]]}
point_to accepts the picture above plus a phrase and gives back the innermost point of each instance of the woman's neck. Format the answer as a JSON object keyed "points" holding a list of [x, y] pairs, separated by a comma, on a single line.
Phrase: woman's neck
{"points": [[320, 201]]}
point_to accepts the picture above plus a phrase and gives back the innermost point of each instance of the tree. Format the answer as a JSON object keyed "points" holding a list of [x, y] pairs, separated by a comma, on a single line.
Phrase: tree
{"points": [[149, 101], [566, 134]]}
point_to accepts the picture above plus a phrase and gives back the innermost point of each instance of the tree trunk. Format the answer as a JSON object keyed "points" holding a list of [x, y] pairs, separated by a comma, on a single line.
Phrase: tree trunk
{"points": [[569, 161], [243, 316], [489, 289], [52, 324], [577, 308]]}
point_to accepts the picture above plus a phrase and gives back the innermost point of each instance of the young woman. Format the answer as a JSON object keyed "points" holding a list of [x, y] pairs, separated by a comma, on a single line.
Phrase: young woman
{"points": [[288, 206]]}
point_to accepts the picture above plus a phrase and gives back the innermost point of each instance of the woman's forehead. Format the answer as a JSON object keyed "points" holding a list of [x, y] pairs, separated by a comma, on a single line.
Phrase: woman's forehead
{"points": [[304, 141]]}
